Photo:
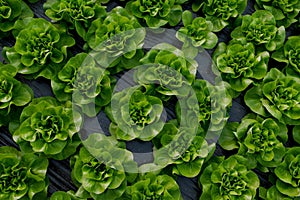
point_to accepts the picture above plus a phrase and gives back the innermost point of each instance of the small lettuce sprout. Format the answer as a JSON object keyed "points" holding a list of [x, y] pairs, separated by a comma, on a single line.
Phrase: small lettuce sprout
{"points": [[290, 54], [116, 39], [40, 48], [239, 64], [288, 173], [260, 29], [83, 82], [285, 12], [10, 12], [278, 96], [23, 176], [78, 15], [136, 114], [49, 128], [13, 95], [220, 13], [157, 13], [257, 139], [230, 178]]}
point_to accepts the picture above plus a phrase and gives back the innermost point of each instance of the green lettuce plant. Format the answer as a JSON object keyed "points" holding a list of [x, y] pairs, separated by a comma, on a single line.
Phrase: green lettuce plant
{"points": [[49, 128], [239, 64], [167, 66], [84, 82], [186, 155], [157, 13], [23, 176], [102, 168], [288, 173], [152, 186], [40, 48], [214, 102], [135, 114], [230, 178], [260, 29], [257, 139], [116, 39], [278, 96], [196, 34], [220, 13], [77, 15], [290, 55], [13, 95], [285, 12], [10, 12]]}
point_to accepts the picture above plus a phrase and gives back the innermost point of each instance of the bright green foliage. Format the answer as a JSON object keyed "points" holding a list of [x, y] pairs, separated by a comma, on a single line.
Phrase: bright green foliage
{"points": [[288, 173], [176, 146], [11, 11], [196, 34], [239, 63], [23, 176], [256, 138], [83, 82], [290, 54], [220, 12], [260, 29], [278, 96], [13, 95], [77, 14], [284, 11], [99, 170], [136, 114], [157, 13], [152, 186], [48, 128], [229, 178], [118, 38], [40, 48]]}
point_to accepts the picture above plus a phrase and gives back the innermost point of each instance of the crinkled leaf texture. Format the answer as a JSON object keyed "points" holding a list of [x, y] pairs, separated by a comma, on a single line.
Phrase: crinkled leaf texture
{"points": [[40, 48], [276, 96], [23, 176], [49, 128]]}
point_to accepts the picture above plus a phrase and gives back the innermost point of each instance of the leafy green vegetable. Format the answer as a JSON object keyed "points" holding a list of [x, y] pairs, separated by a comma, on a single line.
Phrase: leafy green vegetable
{"points": [[77, 14], [220, 13], [169, 67], [288, 173], [23, 176], [40, 48], [213, 101], [239, 63], [49, 128], [273, 193], [229, 178], [99, 169], [290, 54], [116, 39], [260, 29], [11, 11], [13, 95], [83, 82], [186, 155], [285, 12], [196, 33], [256, 138], [157, 13], [278, 96], [151, 186], [135, 115]]}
